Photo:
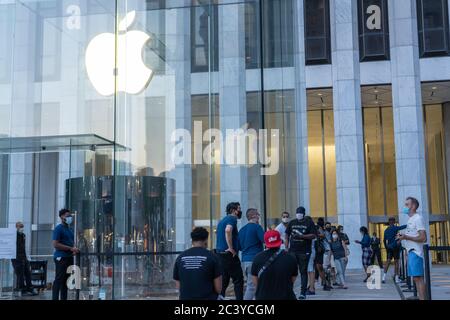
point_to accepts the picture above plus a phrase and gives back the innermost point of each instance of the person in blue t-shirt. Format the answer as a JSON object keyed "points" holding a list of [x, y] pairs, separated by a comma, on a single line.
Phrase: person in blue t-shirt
{"points": [[393, 248], [227, 247], [251, 242], [63, 242]]}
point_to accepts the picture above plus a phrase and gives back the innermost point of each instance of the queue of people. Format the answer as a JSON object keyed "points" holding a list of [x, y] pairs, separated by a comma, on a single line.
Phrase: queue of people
{"points": [[271, 260]]}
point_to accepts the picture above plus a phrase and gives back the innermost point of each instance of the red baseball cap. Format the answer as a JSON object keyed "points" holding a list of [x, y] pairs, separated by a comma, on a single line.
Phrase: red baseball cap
{"points": [[272, 239]]}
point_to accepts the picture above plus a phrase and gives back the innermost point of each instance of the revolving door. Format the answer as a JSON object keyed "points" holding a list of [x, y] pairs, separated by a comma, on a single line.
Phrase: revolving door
{"points": [[125, 228]]}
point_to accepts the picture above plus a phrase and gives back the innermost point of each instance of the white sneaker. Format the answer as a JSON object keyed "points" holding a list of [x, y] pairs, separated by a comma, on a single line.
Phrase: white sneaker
{"points": [[397, 279], [384, 278]]}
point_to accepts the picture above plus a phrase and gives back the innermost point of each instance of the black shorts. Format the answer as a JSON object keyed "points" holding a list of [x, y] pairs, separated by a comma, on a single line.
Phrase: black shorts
{"points": [[319, 258], [393, 253]]}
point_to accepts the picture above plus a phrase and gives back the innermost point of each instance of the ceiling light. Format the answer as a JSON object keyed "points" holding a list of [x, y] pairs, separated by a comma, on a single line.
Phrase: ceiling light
{"points": [[376, 91], [434, 88], [320, 94]]}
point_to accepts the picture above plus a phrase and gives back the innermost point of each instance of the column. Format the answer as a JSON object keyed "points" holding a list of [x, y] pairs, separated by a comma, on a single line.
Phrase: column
{"points": [[301, 106], [232, 92], [350, 171], [178, 113], [407, 106]]}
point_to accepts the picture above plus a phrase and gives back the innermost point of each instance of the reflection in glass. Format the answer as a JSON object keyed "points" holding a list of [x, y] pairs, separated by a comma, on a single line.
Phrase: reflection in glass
{"points": [[278, 40], [281, 188], [322, 163], [436, 159], [205, 187], [433, 25], [317, 32], [379, 149]]}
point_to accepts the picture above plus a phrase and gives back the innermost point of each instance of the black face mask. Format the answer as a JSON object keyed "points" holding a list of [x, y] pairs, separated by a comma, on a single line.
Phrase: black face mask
{"points": [[239, 214], [328, 229]]}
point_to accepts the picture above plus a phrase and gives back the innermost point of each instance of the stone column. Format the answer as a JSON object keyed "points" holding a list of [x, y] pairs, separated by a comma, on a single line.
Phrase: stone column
{"points": [[350, 171], [178, 113], [407, 106], [301, 106], [232, 91]]}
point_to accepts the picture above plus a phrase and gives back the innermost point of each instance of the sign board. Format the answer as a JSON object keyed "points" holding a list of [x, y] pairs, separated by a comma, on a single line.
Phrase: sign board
{"points": [[8, 238]]}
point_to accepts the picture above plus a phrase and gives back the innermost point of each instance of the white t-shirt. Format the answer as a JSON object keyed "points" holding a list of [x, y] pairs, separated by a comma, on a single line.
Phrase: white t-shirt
{"points": [[414, 225], [281, 228]]}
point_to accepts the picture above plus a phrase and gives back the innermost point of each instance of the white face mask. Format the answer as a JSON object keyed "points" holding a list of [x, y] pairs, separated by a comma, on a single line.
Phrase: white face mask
{"points": [[285, 220], [21, 230], [299, 216], [335, 236]]}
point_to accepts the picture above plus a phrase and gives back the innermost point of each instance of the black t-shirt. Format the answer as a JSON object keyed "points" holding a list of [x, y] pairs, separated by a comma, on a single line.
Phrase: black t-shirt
{"points": [[300, 227], [275, 282], [196, 269]]}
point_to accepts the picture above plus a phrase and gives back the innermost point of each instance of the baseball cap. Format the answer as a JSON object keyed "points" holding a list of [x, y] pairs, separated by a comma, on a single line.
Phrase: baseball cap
{"points": [[272, 239]]}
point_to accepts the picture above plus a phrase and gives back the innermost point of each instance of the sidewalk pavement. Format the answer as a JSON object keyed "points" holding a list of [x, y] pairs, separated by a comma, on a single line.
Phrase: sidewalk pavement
{"points": [[440, 283], [357, 289]]}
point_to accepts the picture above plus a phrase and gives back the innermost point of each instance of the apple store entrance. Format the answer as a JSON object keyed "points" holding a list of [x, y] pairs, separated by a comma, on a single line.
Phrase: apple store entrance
{"points": [[77, 172]]}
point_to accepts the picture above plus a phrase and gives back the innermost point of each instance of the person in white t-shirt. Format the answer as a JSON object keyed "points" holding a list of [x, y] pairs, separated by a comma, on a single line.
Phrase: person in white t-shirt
{"points": [[413, 240], [281, 228]]}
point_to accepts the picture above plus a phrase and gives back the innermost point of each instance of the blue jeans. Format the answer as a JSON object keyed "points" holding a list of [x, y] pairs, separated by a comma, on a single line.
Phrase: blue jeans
{"points": [[251, 288]]}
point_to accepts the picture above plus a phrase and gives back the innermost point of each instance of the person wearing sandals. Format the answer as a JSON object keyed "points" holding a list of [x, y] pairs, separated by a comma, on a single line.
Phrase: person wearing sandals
{"points": [[366, 250], [339, 248]]}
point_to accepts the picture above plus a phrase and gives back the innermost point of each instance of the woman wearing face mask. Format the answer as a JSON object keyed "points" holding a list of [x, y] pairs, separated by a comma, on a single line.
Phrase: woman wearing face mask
{"points": [[338, 247], [366, 250]]}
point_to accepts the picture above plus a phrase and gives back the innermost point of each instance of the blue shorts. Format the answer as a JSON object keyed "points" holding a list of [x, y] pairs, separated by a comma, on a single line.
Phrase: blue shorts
{"points": [[415, 265]]}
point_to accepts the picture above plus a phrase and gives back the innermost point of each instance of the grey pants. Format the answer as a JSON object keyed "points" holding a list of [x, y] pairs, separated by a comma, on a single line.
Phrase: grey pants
{"points": [[251, 288], [340, 270]]}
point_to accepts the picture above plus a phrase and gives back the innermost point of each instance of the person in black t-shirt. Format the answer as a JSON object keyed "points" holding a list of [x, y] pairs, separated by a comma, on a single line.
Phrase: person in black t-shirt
{"points": [[21, 264], [197, 271], [274, 270], [299, 235]]}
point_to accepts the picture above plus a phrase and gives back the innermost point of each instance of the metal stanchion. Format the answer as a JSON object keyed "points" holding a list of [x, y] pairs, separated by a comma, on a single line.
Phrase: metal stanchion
{"points": [[426, 256]]}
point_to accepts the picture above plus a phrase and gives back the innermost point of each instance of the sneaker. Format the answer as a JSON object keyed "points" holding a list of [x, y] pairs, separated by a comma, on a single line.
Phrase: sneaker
{"points": [[302, 297], [326, 288], [384, 278], [310, 293], [397, 279], [335, 284]]}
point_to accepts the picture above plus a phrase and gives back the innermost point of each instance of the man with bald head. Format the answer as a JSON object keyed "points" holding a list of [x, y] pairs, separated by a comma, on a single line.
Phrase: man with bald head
{"points": [[21, 264]]}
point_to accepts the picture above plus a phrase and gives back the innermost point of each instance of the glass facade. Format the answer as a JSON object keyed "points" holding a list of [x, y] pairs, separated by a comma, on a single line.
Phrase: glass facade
{"points": [[120, 111]]}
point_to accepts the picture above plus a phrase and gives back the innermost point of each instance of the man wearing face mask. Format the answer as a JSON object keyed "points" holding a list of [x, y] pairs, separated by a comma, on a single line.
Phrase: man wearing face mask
{"points": [[281, 228], [299, 235], [197, 271], [414, 239], [63, 242], [227, 247], [21, 264]]}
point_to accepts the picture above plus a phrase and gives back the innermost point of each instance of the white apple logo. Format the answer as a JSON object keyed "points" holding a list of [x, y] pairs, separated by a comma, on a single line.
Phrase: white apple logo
{"points": [[133, 76]]}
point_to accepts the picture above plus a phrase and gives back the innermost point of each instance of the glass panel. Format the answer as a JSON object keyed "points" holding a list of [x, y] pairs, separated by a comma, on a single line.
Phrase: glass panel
{"points": [[373, 30], [389, 161], [278, 41], [281, 187], [374, 161], [316, 165], [204, 32], [436, 159], [317, 31], [433, 27], [330, 161], [205, 178]]}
